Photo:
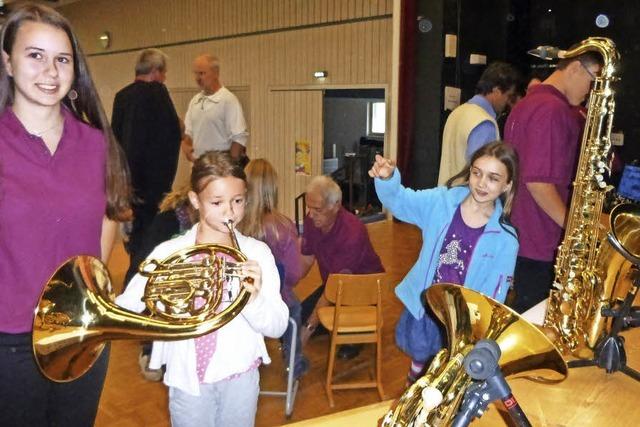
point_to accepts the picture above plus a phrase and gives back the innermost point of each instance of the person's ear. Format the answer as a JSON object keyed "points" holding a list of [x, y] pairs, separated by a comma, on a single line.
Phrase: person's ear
{"points": [[193, 199], [507, 188], [7, 63], [574, 67]]}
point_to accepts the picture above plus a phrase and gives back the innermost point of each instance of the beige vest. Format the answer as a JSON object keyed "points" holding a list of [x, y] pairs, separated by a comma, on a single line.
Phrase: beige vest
{"points": [[459, 125]]}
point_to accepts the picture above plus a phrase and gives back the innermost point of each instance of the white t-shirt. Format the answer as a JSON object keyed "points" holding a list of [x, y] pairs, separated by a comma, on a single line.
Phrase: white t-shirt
{"points": [[214, 121]]}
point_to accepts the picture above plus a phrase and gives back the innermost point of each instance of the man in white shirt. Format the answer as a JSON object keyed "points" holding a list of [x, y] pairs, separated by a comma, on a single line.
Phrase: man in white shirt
{"points": [[214, 119]]}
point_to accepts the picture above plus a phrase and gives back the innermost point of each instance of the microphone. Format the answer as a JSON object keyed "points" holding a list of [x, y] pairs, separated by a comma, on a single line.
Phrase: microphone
{"points": [[481, 364], [547, 52]]}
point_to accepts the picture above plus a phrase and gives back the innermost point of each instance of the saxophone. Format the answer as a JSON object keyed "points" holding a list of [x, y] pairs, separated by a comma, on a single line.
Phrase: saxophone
{"points": [[587, 268]]}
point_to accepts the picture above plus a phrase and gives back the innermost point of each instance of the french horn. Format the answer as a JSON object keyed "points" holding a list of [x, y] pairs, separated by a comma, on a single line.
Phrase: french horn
{"points": [[469, 317], [185, 295]]}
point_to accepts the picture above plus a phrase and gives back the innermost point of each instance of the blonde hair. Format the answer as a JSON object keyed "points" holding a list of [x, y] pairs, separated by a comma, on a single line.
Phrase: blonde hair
{"points": [[176, 199], [262, 200]]}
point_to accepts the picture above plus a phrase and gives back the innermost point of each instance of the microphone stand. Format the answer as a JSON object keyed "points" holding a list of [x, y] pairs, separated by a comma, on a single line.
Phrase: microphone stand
{"points": [[610, 353], [481, 364]]}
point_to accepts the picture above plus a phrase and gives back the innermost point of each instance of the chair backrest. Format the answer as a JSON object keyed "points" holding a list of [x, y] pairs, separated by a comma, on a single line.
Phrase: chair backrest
{"points": [[357, 289], [300, 211]]}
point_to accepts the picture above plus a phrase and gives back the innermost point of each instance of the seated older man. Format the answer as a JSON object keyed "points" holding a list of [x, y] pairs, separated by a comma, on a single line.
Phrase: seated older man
{"points": [[339, 241]]}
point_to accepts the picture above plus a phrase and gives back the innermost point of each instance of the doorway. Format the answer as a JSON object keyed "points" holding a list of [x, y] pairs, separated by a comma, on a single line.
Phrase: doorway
{"points": [[354, 125]]}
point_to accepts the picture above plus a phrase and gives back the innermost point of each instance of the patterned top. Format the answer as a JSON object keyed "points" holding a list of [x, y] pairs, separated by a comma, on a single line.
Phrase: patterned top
{"points": [[456, 251]]}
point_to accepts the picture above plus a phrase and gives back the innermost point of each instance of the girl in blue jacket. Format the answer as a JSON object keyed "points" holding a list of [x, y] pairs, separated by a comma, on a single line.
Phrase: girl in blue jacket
{"points": [[467, 239]]}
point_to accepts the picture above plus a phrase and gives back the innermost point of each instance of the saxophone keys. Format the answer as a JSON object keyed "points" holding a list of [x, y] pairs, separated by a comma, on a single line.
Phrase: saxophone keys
{"points": [[566, 307]]}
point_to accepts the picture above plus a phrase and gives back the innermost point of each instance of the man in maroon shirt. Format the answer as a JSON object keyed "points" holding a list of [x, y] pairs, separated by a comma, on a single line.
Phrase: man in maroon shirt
{"points": [[338, 240], [545, 128]]}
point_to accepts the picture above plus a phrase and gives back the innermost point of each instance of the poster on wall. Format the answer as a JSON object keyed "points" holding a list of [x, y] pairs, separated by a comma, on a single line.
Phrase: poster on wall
{"points": [[303, 158]]}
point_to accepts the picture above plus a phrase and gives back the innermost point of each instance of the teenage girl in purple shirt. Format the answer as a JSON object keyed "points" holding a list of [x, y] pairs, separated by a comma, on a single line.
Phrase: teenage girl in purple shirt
{"points": [[62, 183]]}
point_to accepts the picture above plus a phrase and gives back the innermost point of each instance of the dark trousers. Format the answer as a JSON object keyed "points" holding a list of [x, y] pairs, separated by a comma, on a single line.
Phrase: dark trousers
{"points": [[309, 304], [532, 282], [27, 398], [143, 215]]}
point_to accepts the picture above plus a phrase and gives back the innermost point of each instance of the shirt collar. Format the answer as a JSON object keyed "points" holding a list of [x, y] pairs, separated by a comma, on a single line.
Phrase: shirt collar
{"points": [[547, 89], [481, 101], [9, 119], [214, 97]]}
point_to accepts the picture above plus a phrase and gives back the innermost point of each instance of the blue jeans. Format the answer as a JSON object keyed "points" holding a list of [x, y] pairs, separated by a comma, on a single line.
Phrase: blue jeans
{"points": [[419, 338], [227, 403]]}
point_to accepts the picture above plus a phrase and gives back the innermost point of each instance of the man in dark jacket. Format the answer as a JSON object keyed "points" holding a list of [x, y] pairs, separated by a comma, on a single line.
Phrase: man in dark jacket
{"points": [[147, 126]]}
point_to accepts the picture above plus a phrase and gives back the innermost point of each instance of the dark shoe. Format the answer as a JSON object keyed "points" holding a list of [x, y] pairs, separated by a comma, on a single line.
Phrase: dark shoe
{"points": [[320, 330], [301, 368], [349, 351]]}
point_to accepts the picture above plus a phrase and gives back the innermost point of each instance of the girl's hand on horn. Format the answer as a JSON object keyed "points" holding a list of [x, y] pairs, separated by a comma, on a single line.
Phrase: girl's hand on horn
{"points": [[252, 278]]}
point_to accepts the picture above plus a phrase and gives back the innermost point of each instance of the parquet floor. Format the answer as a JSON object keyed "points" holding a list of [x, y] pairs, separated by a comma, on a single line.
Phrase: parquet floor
{"points": [[589, 397]]}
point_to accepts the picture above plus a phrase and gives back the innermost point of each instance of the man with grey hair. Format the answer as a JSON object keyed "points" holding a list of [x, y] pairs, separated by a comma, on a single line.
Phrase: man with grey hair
{"points": [[214, 119], [147, 126], [339, 241]]}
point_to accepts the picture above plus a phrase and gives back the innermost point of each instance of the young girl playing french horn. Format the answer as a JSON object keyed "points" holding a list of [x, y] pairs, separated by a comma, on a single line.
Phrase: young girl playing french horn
{"points": [[213, 380]]}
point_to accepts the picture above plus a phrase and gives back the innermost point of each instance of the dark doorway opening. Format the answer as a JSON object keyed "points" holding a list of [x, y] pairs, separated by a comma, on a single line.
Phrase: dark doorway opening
{"points": [[354, 132]]}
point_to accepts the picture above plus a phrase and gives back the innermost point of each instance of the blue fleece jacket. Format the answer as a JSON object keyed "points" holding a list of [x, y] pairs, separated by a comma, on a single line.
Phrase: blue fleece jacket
{"points": [[493, 260]]}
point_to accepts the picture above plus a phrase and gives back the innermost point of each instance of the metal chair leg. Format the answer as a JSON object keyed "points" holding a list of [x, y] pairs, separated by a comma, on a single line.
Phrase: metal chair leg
{"points": [[292, 383]]}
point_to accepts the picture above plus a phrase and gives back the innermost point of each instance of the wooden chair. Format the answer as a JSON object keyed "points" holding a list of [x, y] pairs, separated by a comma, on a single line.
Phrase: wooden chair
{"points": [[356, 318]]}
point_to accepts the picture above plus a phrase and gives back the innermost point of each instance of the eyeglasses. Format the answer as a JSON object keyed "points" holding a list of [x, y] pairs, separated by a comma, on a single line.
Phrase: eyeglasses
{"points": [[593, 76]]}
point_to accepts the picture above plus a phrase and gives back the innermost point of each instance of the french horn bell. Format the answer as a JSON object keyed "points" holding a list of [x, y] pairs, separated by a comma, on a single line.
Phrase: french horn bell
{"points": [[76, 313], [469, 317]]}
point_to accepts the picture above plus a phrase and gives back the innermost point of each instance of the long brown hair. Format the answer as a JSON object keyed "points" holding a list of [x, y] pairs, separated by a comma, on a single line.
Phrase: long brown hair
{"points": [[509, 158], [262, 206], [86, 107]]}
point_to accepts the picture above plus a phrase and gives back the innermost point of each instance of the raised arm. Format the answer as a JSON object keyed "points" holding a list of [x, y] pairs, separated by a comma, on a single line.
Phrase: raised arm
{"points": [[406, 204]]}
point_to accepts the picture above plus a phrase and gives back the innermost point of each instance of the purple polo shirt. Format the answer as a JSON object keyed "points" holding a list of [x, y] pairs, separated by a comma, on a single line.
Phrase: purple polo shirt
{"points": [[346, 248], [51, 208], [545, 131]]}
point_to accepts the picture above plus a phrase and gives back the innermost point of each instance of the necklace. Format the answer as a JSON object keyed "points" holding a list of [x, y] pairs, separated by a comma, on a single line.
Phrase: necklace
{"points": [[42, 132]]}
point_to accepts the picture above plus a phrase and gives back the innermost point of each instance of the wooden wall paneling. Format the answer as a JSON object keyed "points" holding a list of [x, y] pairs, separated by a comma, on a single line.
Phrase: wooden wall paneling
{"points": [[286, 57], [378, 46], [363, 60], [301, 119], [353, 54], [157, 22], [317, 11], [367, 52]]}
